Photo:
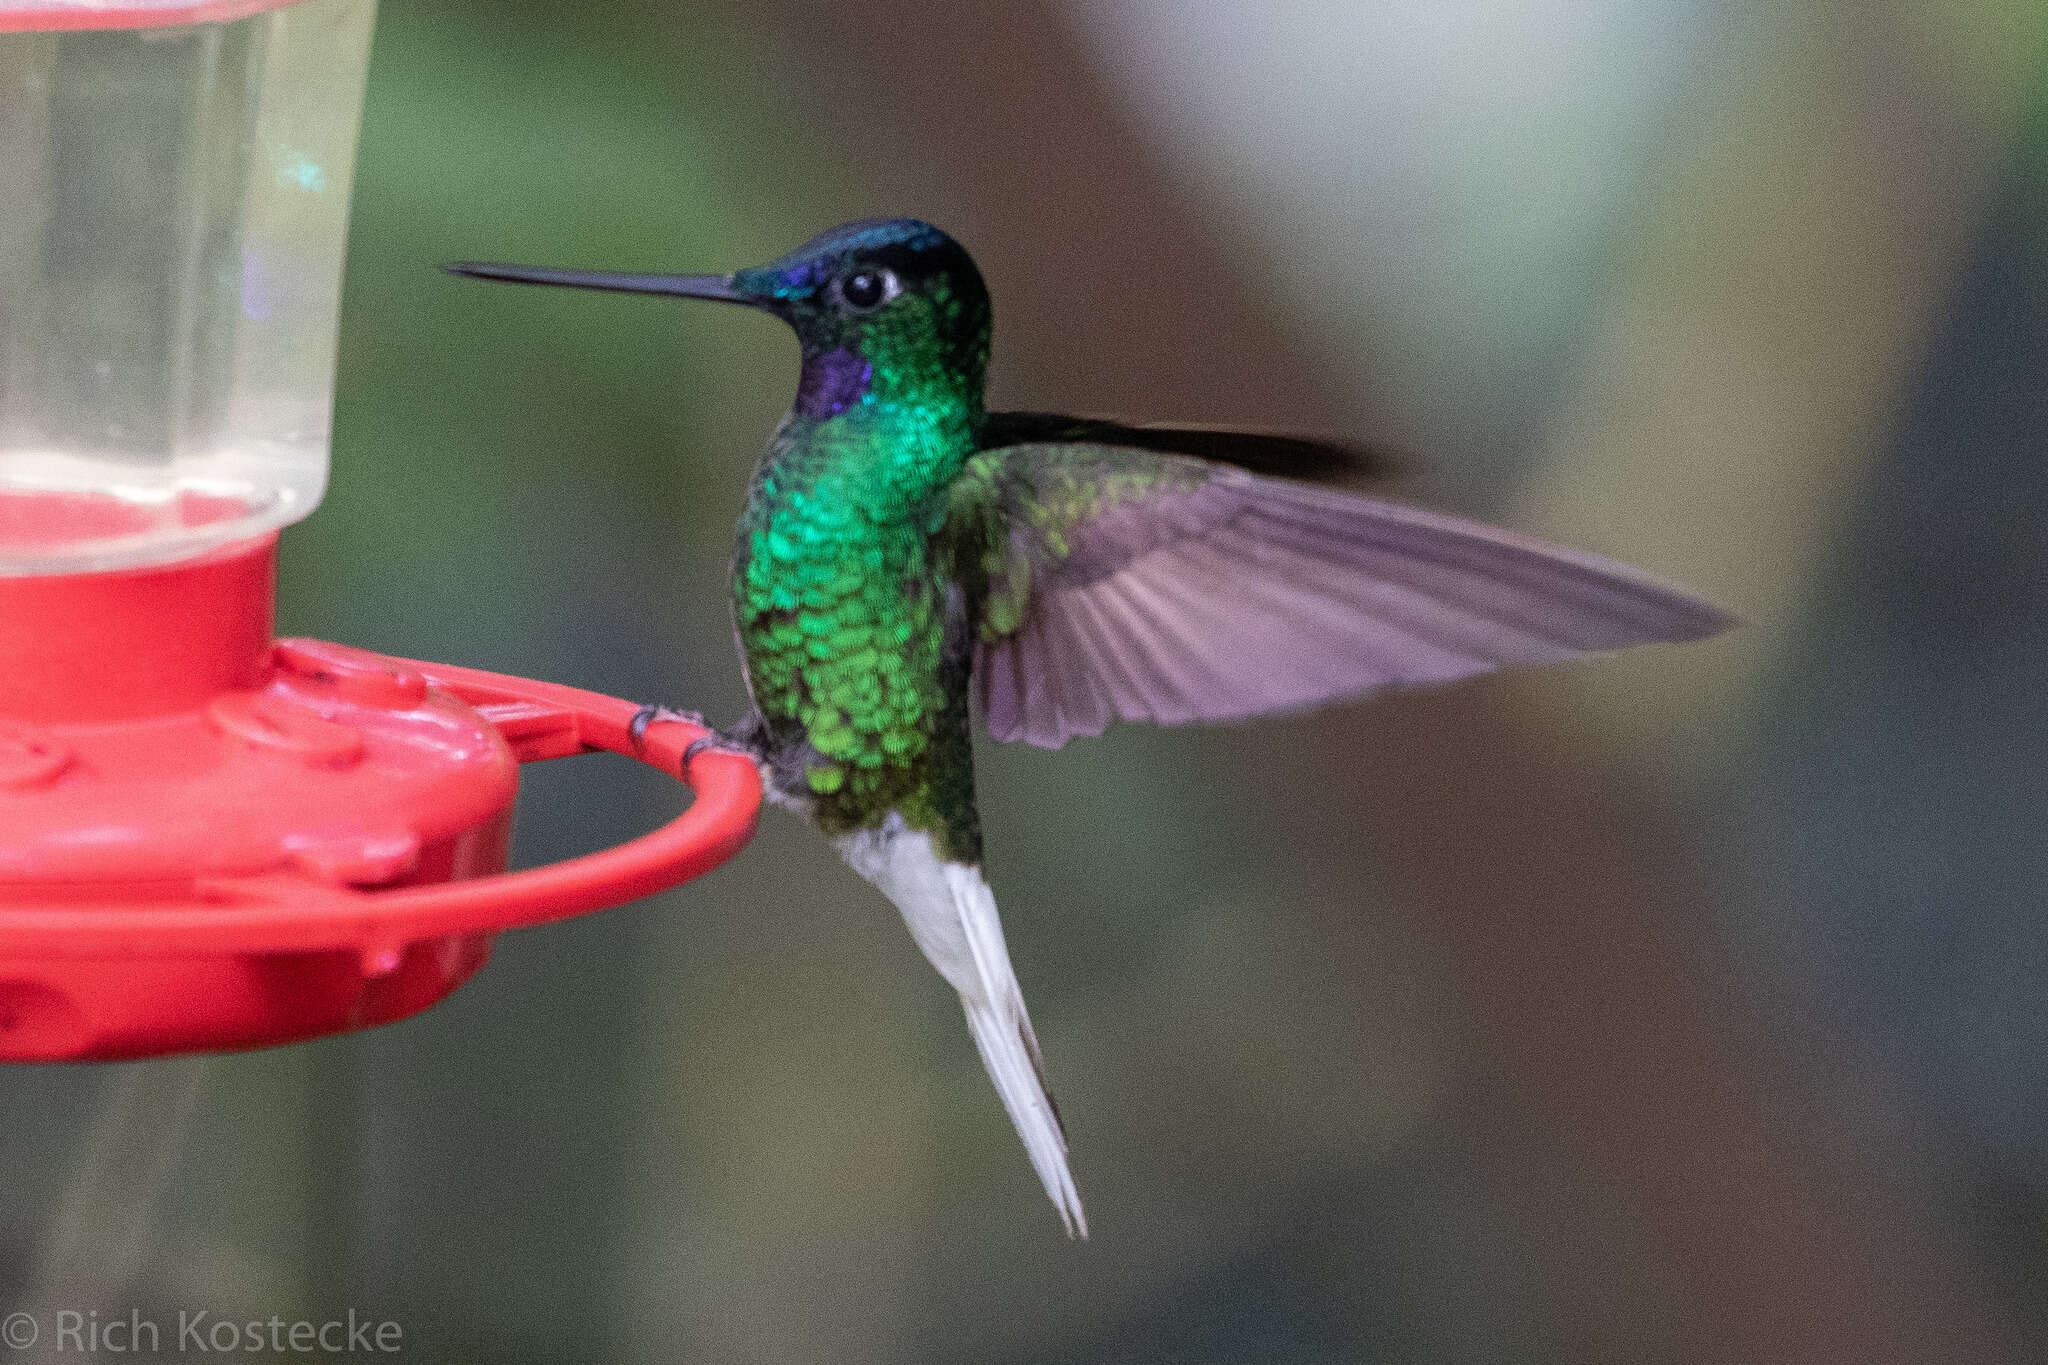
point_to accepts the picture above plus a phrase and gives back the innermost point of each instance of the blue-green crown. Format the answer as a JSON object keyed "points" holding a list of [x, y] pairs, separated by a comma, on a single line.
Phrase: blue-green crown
{"points": [[915, 250]]}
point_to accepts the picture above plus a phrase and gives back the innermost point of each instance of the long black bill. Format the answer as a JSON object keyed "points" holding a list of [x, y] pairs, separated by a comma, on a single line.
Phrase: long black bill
{"points": [[682, 286]]}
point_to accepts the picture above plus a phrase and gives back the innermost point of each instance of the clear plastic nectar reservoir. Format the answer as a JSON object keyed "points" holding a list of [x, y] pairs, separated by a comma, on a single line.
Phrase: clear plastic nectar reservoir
{"points": [[173, 207]]}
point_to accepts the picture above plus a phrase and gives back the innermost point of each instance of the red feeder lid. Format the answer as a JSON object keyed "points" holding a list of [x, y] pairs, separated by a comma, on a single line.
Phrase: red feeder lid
{"points": [[45, 15], [207, 840]]}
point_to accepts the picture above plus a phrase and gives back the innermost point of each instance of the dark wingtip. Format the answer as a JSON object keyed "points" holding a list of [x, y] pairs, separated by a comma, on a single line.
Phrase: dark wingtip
{"points": [[1310, 459]]}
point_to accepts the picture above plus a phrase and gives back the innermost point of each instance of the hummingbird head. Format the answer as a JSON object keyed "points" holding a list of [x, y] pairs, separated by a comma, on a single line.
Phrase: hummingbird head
{"points": [[886, 305]]}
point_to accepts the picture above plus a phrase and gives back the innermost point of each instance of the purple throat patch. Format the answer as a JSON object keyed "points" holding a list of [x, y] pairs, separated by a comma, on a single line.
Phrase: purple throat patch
{"points": [[832, 382]]}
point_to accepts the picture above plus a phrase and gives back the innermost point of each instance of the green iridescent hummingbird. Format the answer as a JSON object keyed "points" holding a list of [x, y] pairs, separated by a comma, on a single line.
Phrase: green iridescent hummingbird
{"points": [[907, 556]]}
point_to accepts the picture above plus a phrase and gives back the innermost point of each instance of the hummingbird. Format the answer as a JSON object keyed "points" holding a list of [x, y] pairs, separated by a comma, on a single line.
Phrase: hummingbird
{"points": [[907, 557]]}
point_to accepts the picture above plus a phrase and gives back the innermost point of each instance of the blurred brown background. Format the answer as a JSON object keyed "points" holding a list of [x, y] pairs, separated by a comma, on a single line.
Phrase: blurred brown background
{"points": [[1683, 1006]]}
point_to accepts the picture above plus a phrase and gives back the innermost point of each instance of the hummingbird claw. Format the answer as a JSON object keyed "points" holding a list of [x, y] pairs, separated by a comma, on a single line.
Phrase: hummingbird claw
{"points": [[652, 712], [717, 744]]}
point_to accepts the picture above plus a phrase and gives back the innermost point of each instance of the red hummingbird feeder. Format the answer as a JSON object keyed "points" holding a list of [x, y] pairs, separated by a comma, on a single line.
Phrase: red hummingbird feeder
{"points": [[211, 839]]}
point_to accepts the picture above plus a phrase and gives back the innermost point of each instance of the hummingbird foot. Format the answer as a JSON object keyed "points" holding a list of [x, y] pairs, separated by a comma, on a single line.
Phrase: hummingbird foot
{"points": [[715, 743], [739, 742], [652, 712]]}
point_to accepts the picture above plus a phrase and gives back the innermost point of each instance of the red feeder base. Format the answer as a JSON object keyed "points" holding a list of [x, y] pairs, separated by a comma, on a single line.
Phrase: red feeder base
{"points": [[216, 841]]}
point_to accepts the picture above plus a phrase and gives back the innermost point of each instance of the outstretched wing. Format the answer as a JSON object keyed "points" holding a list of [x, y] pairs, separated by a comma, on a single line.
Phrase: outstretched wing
{"points": [[1123, 584]]}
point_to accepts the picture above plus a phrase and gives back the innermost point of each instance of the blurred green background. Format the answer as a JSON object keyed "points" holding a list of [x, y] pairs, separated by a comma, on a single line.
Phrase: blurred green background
{"points": [[1683, 1006]]}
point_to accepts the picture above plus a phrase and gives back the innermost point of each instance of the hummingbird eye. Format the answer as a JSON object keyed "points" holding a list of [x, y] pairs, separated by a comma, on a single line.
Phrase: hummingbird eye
{"points": [[868, 289]]}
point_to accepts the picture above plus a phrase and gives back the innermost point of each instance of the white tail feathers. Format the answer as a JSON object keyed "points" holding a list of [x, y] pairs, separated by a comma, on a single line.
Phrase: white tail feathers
{"points": [[952, 915]]}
